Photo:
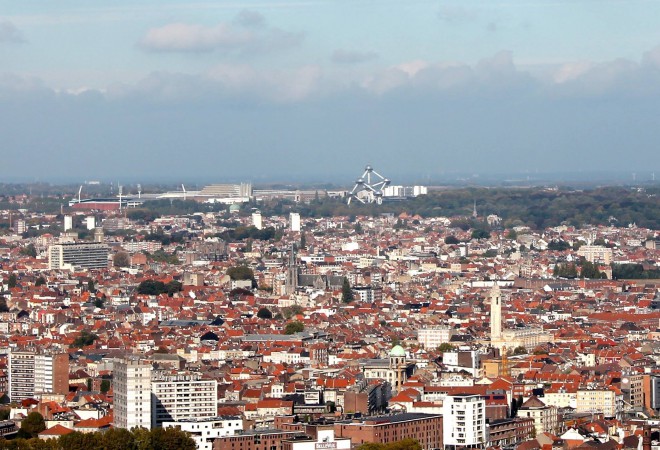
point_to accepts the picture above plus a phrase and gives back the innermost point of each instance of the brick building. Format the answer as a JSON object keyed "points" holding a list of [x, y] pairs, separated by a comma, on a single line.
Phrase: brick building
{"points": [[425, 428], [256, 440]]}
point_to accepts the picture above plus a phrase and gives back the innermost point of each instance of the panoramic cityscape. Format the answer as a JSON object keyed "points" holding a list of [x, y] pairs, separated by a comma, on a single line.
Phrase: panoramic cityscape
{"points": [[330, 225]]}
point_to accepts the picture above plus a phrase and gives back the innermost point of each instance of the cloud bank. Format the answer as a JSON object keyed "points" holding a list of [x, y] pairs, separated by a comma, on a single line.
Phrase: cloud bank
{"points": [[248, 33], [237, 121]]}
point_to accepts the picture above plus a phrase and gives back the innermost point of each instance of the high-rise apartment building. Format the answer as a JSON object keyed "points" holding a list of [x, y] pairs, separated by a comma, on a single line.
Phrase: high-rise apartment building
{"points": [[88, 255], [464, 421], [182, 396], [294, 221], [132, 394], [32, 373]]}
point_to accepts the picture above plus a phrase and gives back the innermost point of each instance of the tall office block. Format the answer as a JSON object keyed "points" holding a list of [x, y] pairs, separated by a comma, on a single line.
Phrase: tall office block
{"points": [[294, 221], [182, 396], [87, 255], [132, 394], [32, 373], [68, 222]]}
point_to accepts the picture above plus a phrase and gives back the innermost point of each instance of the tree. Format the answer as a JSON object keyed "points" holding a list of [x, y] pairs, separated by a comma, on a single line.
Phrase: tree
{"points": [[346, 292], [40, 281], [121, 259], [29, 250], [90, 286], [3, 305], [12, 281], [171, 439], [151, 287], [264, 313], [446, 347], [294, 327], [293, 310], [89, 385], [85, 338], [358, 228], [105, 386], [480, 234], [511, 234], [303, 240], [242, 273], [520, 350], [451, 240], [32, 425], [173, 287]]}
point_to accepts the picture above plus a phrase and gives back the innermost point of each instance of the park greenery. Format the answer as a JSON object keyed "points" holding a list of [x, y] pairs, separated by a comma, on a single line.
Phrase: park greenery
{"points": [[238, 273], [112, 439], [85, 338], [294, 327], [156, 287], [534, 207], [242, 233]]}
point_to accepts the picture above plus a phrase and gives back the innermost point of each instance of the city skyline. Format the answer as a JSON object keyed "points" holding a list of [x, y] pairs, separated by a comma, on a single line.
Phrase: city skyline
{"points": [[289, 90]]}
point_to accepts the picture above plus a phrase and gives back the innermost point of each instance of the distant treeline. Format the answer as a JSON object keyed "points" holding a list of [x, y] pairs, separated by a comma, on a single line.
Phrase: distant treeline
{"points": [[535, 207]]}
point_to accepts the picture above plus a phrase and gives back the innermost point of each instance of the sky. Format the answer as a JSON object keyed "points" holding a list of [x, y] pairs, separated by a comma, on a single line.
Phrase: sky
{"points": [[315, 90]]}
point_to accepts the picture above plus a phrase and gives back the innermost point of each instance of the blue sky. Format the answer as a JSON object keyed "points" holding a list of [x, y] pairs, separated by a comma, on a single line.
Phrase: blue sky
{"points": [[271, 89]]}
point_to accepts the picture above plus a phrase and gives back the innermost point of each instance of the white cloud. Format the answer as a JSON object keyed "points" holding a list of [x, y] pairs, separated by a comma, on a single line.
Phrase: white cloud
{"points": [[247, 34]]}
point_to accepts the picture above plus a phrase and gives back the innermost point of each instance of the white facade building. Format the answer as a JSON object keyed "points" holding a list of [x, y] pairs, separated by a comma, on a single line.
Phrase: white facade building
{"points": [[294, 222], [78, 254], [432, 337], [205, 431], [132, 394], [464, 421], [257, 221], [21, 375], [181, 396], [68, 223]]}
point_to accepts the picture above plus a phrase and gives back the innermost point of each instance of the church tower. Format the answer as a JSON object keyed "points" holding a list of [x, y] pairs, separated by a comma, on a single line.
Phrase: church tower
{"points": [[292, 273], [495, 313]]}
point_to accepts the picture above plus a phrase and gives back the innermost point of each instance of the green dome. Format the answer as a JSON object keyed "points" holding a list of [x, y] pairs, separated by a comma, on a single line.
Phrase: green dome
{"points": [[397, 350]]}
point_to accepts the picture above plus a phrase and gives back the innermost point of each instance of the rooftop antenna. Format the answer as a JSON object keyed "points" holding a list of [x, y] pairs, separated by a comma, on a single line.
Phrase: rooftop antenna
{"points": [[183, 188]]}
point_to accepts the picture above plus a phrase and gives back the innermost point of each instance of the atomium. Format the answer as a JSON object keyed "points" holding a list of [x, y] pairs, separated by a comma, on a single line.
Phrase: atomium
{"points": [[369, 187]]}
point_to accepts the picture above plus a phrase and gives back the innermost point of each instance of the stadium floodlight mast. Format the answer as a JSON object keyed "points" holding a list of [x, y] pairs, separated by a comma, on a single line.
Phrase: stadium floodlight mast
{"points": [[369, 187]]}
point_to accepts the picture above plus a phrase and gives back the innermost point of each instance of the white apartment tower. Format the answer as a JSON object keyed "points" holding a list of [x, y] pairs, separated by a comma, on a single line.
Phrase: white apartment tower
{"points": [[294, 222], [132, 394], [31, 374], [21, 375], [256, 220], [464, 421], [182, 396], [68, 222]]}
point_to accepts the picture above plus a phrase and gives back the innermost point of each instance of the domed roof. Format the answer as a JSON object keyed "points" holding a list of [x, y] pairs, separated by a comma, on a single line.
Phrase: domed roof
{"points": [[397, 350]]}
